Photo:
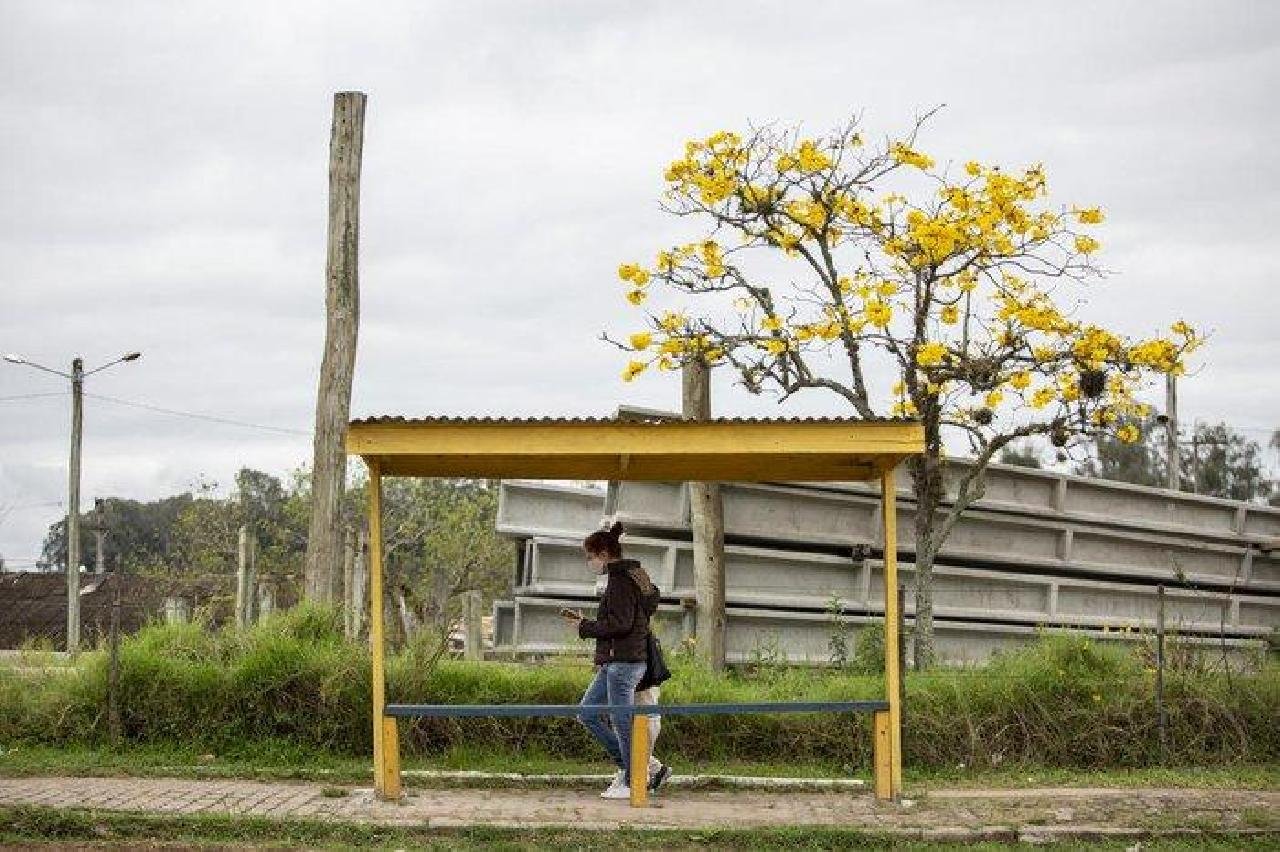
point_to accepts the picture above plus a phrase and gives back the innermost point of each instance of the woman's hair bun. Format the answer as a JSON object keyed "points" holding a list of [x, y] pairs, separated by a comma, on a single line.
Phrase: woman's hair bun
{"points": [[615, 531]]}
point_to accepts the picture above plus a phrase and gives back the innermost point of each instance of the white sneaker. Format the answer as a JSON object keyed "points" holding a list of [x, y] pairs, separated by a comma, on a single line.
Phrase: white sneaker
{"points": [[617, 791], [618, 781]]}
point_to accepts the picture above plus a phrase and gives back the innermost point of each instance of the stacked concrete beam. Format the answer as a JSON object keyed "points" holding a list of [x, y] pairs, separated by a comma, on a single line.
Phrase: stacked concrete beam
{"points": [[761, 577], [777, 634], [1003, 572], [806, 516], [1011, 488]]}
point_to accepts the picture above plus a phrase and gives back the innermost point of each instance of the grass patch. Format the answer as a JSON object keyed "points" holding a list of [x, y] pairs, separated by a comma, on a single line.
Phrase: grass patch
{"points": [[61, 827], [283, 764], [292, 691]]}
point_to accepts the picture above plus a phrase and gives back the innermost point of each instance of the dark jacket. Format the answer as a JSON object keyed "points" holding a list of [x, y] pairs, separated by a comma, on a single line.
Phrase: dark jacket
{"points": [[621, 625]]}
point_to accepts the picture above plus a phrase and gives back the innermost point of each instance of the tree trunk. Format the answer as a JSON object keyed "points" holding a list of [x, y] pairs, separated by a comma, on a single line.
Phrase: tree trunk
{"points": [[342, 310], [707, 520], [927, 483]]}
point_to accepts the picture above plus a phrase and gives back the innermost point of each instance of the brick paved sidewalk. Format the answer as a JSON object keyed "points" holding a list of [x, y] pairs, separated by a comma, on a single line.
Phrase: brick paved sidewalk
{"points": [[942, 813]]}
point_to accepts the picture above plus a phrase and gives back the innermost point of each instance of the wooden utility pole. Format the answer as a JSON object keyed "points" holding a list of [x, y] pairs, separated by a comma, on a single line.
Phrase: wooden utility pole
{"points": [[73, 509], [1171, 445], [707, 520], [342, 311]]}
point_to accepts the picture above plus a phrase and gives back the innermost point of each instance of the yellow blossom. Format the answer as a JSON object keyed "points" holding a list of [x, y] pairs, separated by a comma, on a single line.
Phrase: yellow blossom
{"points": [[634, 369], [634, 273], [1128, 433], [931, 354], [635, 297], [810, 159], [994, 398], [903, 154], [1042, 397], [950, 314], [771, 323], [1087, 245], [973, 168], [1020, 380], [1089, 216], [641, 340], [879, 313]]}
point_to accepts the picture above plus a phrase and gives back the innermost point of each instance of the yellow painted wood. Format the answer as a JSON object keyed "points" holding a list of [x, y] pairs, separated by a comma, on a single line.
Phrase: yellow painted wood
{"points": [[391, 789], [670, 450], [633, 468], [892, 676], [375, 624], [882, 746], [639, 761]]}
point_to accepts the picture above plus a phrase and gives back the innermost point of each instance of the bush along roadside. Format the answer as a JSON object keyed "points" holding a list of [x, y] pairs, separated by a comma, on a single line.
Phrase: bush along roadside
{"points": [[1066, 701]]}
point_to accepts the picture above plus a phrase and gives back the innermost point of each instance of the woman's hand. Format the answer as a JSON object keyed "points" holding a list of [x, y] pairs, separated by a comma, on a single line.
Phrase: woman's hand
{"points": [[571, 615]]}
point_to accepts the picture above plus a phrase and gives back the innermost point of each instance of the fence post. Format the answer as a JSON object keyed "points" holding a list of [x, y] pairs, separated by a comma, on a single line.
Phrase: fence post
{"points": [[244, 586], [1160, 715], [348, 584], [113, 671], [474, 649], [902, 646]]}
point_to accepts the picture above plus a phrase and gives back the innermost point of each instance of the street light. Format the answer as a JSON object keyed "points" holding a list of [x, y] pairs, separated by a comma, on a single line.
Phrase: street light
{"points": [[76, 376]]}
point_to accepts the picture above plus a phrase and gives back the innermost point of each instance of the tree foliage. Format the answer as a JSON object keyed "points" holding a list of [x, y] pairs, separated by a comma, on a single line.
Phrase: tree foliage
{"points": [[1216, 461], [828, 263]]}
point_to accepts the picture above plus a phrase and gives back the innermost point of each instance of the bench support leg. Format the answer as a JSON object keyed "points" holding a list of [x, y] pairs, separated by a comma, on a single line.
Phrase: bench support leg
{"points": [[639, 761], [390, 778], [882, 747]]}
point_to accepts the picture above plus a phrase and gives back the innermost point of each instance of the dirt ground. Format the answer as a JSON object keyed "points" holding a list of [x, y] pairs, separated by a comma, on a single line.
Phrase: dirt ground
{"points": [[1043, 813]]}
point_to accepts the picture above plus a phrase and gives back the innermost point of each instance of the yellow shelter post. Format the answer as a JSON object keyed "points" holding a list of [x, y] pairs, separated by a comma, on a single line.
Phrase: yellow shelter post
{"points": [[892, 675], [639, 780], [376, 643]]}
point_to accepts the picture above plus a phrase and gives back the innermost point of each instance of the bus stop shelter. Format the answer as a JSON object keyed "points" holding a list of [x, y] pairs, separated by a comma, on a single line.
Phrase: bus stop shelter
{"points": [[663, 450]]}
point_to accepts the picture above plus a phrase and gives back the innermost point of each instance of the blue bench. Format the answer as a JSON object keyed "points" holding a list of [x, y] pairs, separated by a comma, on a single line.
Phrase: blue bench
{"points": [[639, 730]]}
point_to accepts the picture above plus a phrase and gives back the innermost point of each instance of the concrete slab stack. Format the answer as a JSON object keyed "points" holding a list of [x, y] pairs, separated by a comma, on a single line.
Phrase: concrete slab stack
{"points": [[1040, 550]]}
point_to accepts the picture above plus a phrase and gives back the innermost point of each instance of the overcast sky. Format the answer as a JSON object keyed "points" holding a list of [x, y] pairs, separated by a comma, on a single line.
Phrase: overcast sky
{"points": [[164, 189]]}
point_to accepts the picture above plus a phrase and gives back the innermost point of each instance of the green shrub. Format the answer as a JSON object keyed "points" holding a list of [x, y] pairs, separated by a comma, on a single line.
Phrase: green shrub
{"points": [[292, 682]]}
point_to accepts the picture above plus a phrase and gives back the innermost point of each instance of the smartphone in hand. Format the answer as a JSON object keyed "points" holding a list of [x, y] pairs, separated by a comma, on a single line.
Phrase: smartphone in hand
{"points": [[571, 614]]}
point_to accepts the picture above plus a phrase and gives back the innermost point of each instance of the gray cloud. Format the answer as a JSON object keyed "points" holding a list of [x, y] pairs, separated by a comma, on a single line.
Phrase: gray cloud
{"points": [[164, 190]]}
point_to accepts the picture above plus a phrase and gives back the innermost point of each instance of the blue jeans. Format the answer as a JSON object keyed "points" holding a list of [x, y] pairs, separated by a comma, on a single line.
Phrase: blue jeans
{"points": [[614, 683]]}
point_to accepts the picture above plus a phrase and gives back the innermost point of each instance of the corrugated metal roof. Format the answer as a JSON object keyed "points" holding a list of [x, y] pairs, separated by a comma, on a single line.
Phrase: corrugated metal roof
{"points": [[408, 421]]}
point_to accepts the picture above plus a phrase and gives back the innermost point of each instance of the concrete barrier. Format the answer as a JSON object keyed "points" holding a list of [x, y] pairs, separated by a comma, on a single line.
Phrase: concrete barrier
{"points": [[803, 516], [764, 635], [810, 581]]}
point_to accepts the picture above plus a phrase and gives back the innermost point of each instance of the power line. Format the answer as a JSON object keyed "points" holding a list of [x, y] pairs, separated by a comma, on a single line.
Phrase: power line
{"points": [[196, 416], [32, 396]]}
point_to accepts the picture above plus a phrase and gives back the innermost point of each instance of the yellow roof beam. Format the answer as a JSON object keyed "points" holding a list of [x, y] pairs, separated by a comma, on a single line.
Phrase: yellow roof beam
{"points": [[723, 450]]}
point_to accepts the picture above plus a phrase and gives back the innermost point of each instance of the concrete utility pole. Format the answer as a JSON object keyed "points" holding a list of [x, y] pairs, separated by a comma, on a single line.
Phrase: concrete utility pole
{"points": [[99, 534], [707, 521], [342, 311], [246, 577], [77, 377], [1171, 424], [73, 508]]}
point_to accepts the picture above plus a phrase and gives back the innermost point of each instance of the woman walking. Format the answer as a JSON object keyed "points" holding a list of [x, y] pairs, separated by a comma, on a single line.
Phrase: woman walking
{"points": [[621, 631]]}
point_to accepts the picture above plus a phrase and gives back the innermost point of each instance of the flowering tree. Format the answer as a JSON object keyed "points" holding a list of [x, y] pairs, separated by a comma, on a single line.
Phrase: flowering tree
{"points": [[828, 264]]}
